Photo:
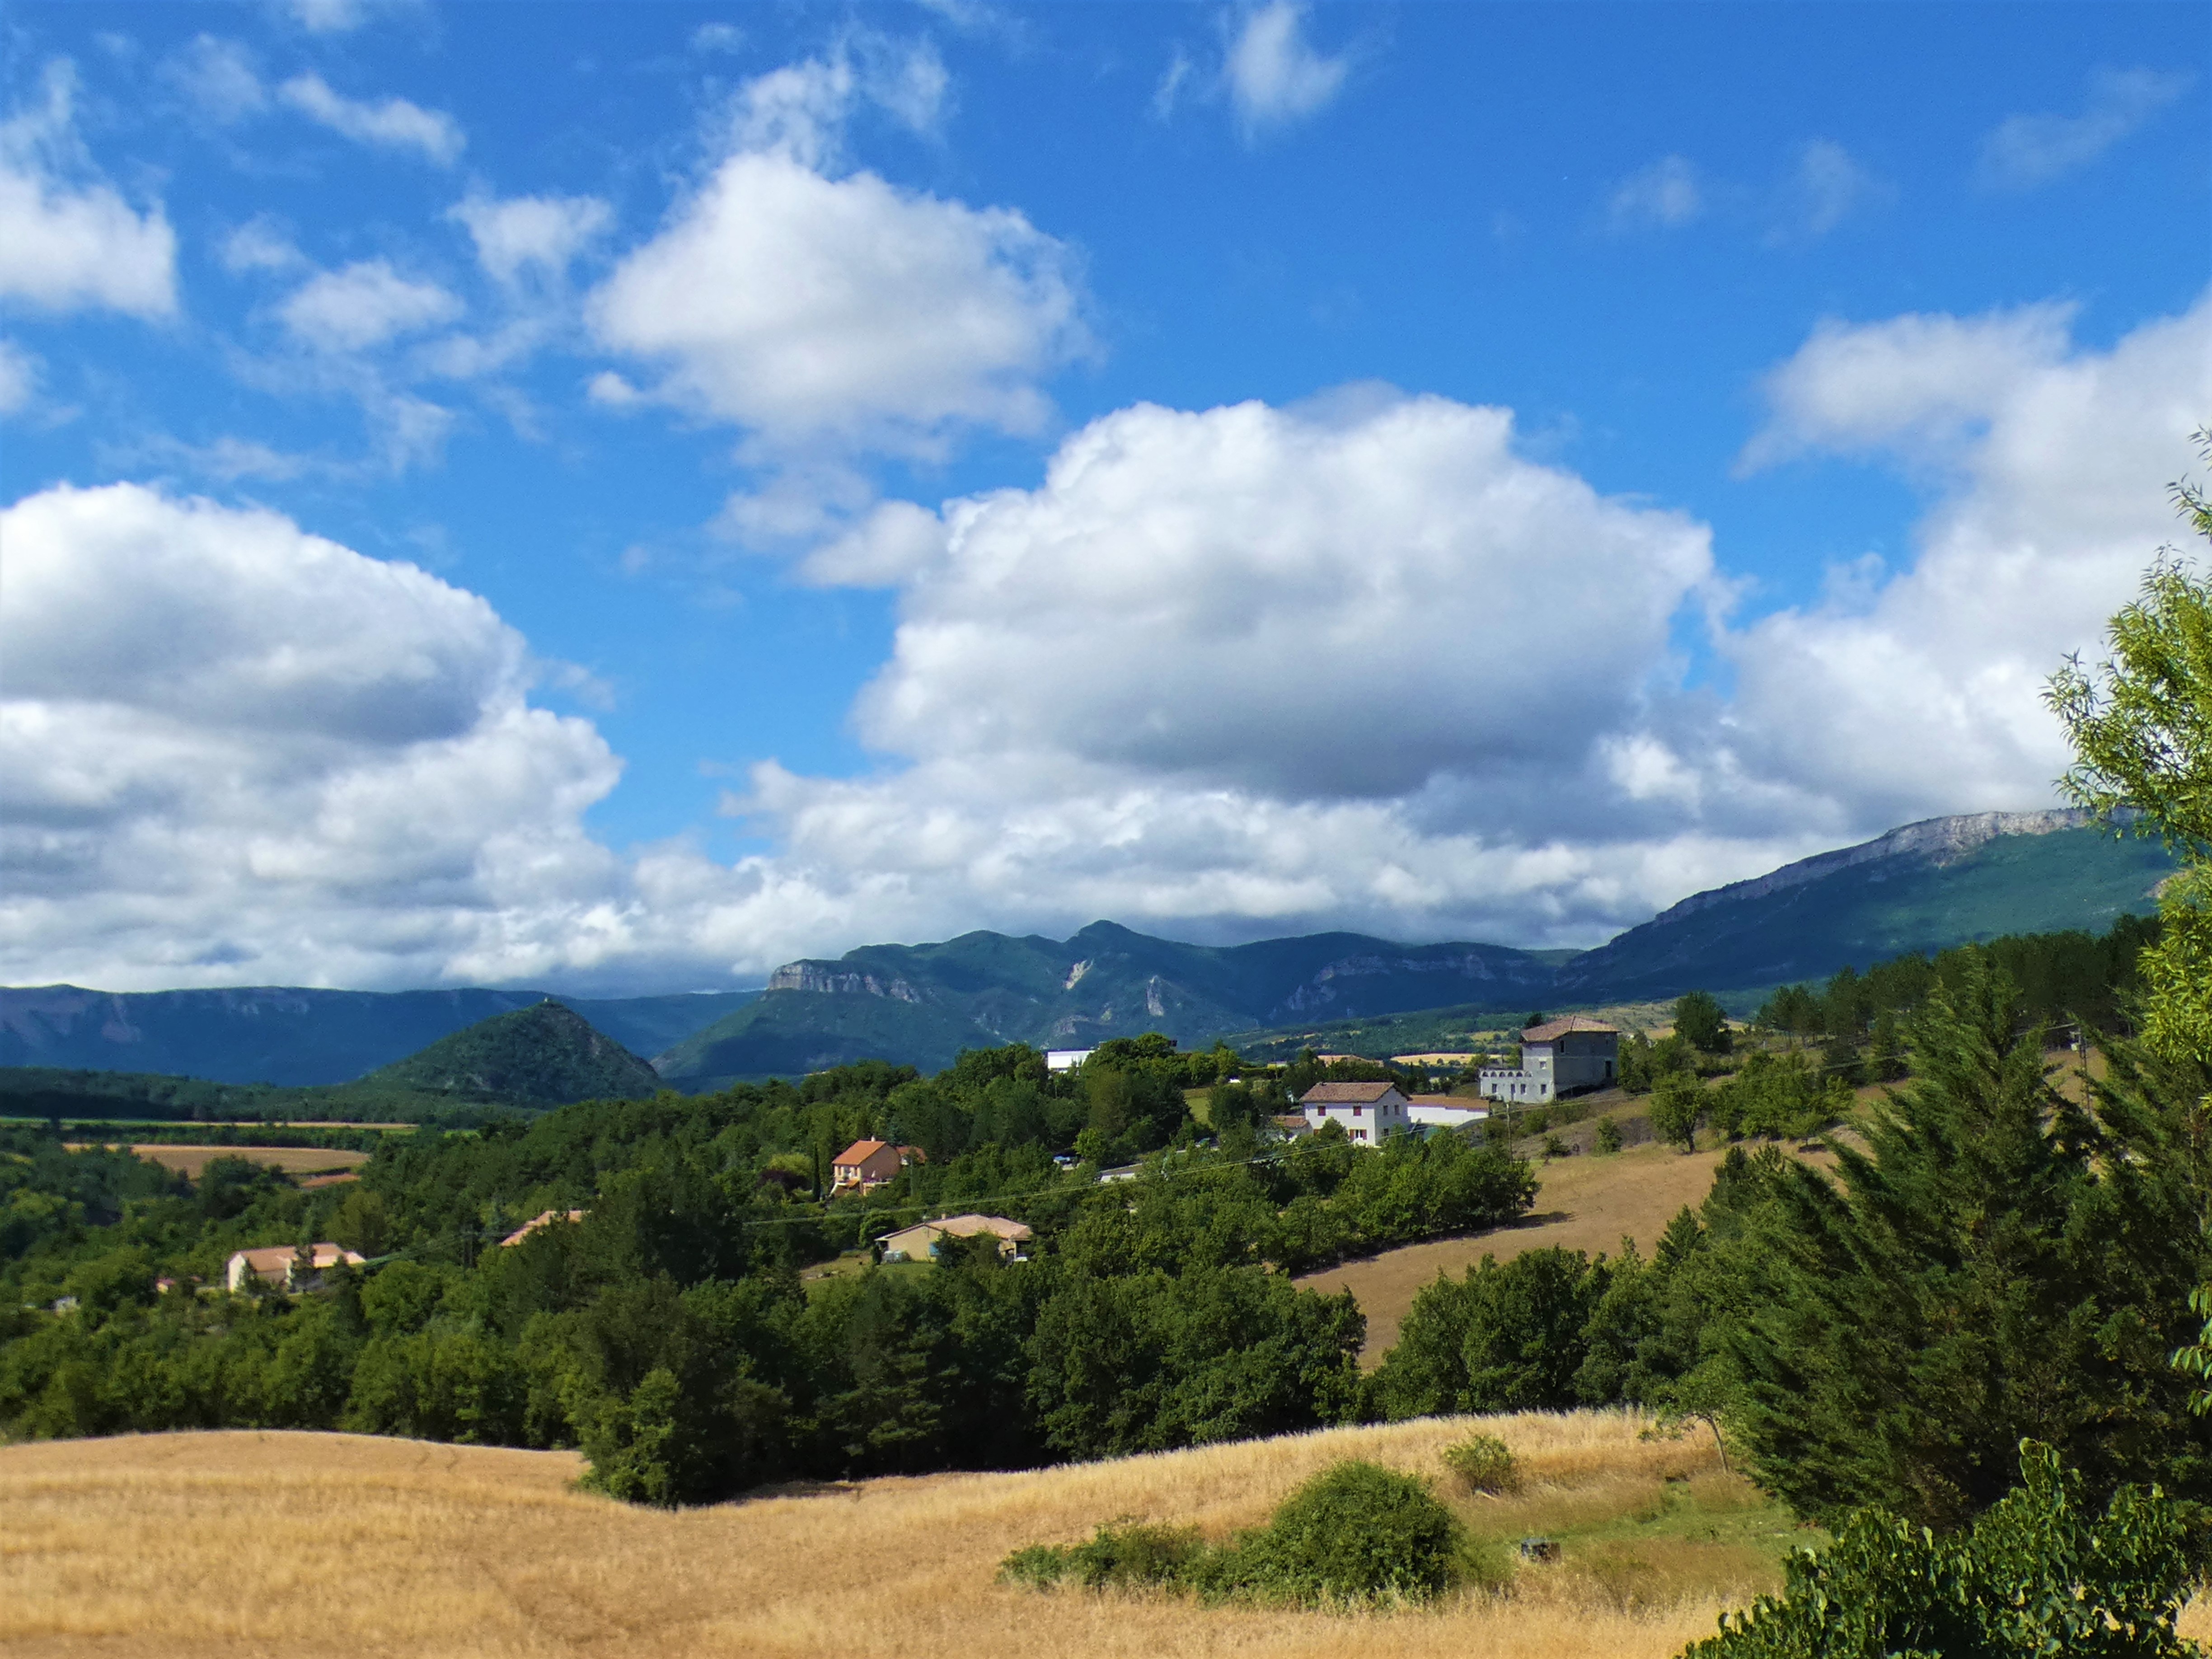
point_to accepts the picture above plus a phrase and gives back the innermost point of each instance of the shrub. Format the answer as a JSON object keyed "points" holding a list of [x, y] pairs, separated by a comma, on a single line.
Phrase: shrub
{"points": [[1607, 1138], [2036, 1574], [1356, 1532], [1125, 1555], [1482, 1463]]}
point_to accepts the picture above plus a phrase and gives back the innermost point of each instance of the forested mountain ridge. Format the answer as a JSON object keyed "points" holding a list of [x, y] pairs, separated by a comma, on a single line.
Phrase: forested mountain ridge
{"points": [[922, 1003], [1925, 886]]}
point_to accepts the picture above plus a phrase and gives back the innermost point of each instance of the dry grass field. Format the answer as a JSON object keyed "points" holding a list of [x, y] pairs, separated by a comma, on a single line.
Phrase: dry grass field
{"points": [[317, 1544], [1582, 1204], [292, 1160]]}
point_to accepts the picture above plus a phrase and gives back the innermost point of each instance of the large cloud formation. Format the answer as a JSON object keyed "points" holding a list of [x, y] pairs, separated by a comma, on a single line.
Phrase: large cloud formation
{"points": [[1238, 670], [235, 750]]}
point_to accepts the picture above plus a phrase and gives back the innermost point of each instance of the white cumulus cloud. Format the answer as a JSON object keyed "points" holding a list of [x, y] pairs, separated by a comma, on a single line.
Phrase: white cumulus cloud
{"points": [[70, 240], [2024, 151], [1920, 694], [1827, 186], [235, 750], [363, 305], [1274, 73], [385, 124], [543, 233], [805, 308]]}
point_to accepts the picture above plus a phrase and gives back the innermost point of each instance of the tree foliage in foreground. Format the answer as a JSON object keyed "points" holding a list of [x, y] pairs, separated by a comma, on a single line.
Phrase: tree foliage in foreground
{"points": [[2039, 1575], [1999, 1263]]}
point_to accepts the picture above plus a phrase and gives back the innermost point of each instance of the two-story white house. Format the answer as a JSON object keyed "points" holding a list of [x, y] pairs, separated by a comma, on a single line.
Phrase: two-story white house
{"points": [[1368, 1111], [1559, 1057]]}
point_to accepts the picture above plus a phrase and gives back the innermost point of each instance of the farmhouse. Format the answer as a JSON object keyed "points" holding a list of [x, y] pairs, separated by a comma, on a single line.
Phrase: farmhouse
{"points": [[1064, 1060], [867, 1164], [544, 1219], [918, 1242], [1559, 1057], [276, 1264], [1368, 1111]]}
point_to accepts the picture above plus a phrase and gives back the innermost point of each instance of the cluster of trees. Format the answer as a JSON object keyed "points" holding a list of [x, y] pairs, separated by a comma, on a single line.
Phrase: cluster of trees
{"points": [[1997, 1263], [670, 1335]]}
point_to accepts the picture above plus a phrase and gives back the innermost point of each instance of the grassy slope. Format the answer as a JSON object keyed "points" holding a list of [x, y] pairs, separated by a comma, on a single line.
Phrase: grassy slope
{"points": [[347, 1546], [1582, 1204]]}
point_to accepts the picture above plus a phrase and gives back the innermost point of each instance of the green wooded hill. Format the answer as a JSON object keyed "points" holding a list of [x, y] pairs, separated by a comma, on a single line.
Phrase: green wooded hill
{"points": [[544, 1055], [921, 1005]]}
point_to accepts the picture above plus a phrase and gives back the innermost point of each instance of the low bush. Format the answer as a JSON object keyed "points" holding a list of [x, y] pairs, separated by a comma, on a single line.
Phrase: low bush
{"points": [[1483, 1463], [1355, 1532], [1124, 1555], [1607, 1138]]}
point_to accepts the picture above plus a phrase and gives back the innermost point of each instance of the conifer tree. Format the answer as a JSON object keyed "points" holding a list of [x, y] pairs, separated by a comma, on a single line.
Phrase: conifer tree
{"points": [[1998, 1264]]}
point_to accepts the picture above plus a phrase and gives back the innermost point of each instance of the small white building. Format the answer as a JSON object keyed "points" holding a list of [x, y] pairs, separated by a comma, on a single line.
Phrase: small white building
{"points": [[1064, 1060], [1559, 1057], [1368, 1111], [1445, 1111]]}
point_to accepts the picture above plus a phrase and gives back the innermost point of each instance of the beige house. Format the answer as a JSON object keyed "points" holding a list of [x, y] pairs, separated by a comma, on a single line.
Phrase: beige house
{"points": [[867, 1164], [919, 1242], [275, 1265], [1368, 1111], [545, 1219]]}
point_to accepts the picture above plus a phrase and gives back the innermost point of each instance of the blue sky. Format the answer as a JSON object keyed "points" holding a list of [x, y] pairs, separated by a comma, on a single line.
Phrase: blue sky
{"points": [[617, 497]]}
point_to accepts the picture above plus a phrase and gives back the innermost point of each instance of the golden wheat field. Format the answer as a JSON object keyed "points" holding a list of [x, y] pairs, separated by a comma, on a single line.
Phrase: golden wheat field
{"points": [[292, 1160], [311, 1544], [1582, 1204]]}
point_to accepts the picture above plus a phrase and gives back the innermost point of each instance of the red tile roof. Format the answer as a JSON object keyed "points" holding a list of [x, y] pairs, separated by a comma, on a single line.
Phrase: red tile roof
{"points": [[1344, 1094], [861, 1151]]}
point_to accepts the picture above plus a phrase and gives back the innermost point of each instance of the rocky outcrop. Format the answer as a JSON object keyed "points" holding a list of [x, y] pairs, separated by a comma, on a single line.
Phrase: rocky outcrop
{"points": [[839, 980]]}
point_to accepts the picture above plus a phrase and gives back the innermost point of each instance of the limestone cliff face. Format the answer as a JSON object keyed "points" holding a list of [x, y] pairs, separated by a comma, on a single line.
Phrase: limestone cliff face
{"points": [[1940, 840], [830, 976]]}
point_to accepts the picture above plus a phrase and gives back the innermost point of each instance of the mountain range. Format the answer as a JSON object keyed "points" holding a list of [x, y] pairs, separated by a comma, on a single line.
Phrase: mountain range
{"points": [[1925, 886]]}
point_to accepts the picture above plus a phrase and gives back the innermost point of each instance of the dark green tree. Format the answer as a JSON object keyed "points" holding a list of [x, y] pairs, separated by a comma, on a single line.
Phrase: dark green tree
{"points": [[1998, 1264], [1700, 1019]]}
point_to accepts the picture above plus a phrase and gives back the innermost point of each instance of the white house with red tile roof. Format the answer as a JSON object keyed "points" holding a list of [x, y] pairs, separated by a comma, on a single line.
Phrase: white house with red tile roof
{"points": [[1368, 1111], [1559, 1057]]}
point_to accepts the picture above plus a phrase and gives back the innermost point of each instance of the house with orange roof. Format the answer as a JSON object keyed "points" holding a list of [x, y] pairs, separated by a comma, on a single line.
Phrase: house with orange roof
{"points": [[867, 1164]]}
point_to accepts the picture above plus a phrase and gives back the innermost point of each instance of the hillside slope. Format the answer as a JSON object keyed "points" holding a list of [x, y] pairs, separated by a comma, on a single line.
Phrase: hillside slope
{"points": [[334, 1546], [1924, 887], [543, 1055], [922, 1003]]}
